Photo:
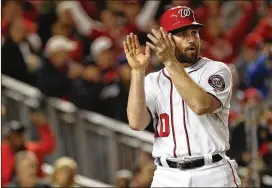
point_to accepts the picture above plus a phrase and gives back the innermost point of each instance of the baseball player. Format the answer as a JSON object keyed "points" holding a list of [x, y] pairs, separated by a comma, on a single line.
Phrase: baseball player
{"points": [[187, 102]]}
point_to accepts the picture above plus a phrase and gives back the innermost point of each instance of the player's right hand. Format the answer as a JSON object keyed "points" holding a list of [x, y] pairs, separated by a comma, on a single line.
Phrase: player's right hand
{"points": [[136, 59]]}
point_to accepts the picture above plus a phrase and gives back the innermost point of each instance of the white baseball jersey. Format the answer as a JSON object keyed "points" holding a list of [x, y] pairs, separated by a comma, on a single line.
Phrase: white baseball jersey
{"points": [[179, 132]]}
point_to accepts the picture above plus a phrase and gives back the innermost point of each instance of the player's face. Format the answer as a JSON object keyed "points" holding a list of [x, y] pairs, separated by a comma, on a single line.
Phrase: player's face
{"points": [[187, 45]]}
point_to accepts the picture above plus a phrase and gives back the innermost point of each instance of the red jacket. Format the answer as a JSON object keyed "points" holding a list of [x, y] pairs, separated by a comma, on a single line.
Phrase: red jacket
{"points": [[41, 148]]}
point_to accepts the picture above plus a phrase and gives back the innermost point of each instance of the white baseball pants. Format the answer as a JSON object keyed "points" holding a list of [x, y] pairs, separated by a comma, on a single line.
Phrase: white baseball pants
{"points": [[219, 174]]}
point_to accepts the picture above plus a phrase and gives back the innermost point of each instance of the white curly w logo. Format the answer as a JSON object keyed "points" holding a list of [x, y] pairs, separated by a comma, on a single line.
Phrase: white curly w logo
{"points": [[184, 12]]}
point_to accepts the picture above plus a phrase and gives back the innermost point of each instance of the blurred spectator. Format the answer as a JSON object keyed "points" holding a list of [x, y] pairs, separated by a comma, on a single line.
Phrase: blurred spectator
{"points": [[260, 70], [3, 114], [231, 12], [263, 131], [123, 179], [143, 175], [103, 52], [214, 38], [46, 18], [26, 171], [100, 88], [113, 93], [243, 173], [85, 90], [209, 9], [268, 157], [67, 30], [61, 29], [71, 12], [251, 98], [116, 6], [30, 10], [19, 57], [112, 27], [131, 10], [90, 7], [250, 47], [65, 25], [143, 170], [64, 173], [77, 17], [64, 13], [56, 75], [138, 17], [132, 15], [265, 146], [12, 10], [144, 158], [14, 141], [238, 143]]}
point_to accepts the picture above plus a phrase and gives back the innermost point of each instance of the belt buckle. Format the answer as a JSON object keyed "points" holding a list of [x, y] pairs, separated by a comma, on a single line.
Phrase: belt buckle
{"points": [[186, 164]]}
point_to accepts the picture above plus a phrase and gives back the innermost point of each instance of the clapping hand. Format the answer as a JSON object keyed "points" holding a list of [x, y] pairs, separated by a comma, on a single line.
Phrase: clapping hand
{"points": [[163, 45], [136, 59]]}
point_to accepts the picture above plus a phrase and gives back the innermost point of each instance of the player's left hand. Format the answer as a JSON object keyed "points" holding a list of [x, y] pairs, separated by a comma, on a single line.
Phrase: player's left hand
{"points": [[163, 45]]}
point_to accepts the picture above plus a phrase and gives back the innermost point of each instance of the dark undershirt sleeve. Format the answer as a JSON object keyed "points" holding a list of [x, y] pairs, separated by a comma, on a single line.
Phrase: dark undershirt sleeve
{"points": [[150, 126]]}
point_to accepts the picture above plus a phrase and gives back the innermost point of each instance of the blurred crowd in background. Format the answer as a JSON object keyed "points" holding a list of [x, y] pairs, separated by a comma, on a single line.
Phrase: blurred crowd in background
{"points": [[73, 50], [22, 160]]}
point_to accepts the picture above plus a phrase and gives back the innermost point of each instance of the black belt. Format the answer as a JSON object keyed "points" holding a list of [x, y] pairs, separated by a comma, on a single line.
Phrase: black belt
{"points": [[191, 163]]}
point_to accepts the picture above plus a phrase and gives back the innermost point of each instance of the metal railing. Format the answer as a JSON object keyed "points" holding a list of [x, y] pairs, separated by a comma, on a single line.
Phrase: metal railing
{"points": [[251, 123], [100, 145]]}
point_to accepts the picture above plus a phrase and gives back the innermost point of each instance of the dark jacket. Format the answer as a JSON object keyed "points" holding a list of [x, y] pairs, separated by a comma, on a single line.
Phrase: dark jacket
{"points": [[238, 143], [85, 95], [268, 161], [13, 63], [52, 81], [108, 99], [113, 101]]}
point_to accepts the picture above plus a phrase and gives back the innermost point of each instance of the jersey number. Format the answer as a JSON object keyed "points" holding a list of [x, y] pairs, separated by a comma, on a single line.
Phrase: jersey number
{"points": [[164, 129]]}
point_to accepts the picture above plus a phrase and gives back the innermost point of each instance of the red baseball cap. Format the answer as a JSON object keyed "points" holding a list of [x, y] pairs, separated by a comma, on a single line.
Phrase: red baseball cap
{"points": [[178, 17]]}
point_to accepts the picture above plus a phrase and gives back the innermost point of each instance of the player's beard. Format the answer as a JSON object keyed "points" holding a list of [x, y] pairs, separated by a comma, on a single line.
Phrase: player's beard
{"points": [[187, 56]]}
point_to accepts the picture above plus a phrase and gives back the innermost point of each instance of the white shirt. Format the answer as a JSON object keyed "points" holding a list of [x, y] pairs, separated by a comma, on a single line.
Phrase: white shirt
{"points": [[182, 132]]}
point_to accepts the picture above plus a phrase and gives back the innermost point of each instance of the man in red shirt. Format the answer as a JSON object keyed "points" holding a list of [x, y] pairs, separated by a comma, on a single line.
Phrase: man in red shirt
{"points": [[14, 141]]}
